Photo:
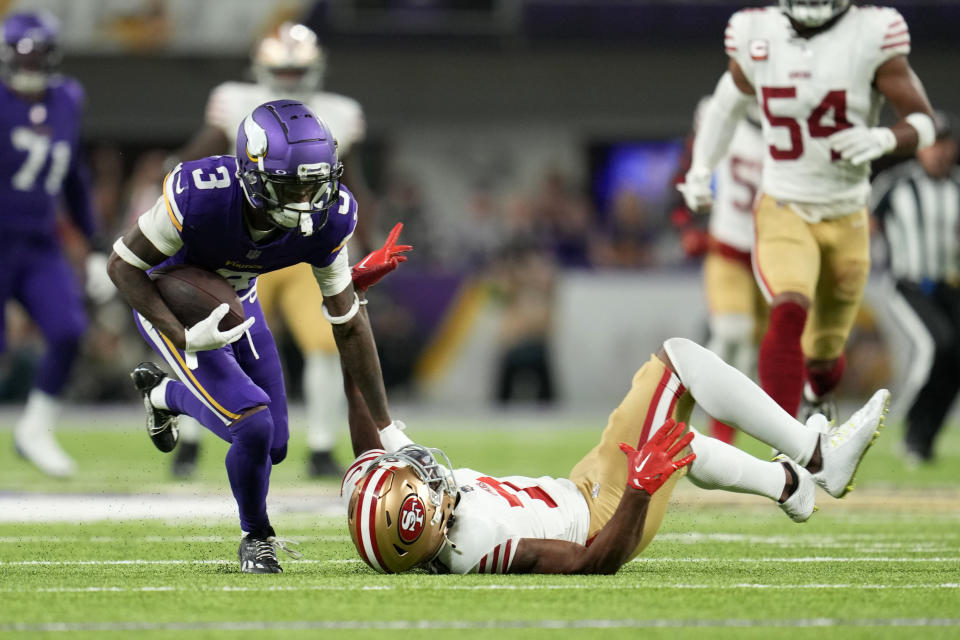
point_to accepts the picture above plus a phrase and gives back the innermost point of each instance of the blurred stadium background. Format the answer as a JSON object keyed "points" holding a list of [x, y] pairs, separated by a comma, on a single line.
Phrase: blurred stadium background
{"points": [[504, 134]]}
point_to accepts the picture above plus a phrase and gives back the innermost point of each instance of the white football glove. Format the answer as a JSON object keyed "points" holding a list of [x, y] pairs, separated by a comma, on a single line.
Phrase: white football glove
{"points": [[99, 287], [696, 189], [206, 335], [860, 145]]}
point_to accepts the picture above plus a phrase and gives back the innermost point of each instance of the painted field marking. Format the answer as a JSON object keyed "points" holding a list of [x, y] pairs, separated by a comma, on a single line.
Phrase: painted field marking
{"points": [[480, 624], [490, 587]]}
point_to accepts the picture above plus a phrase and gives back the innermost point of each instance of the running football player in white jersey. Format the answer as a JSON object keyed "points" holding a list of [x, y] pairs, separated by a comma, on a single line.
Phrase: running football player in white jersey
{"points": [[738, 312], [406, 508], [819, 70], [289, 63]]}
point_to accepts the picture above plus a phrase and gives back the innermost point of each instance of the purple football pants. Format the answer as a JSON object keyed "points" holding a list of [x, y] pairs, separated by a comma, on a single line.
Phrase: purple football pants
{"points": [[220, 392], [35, 273]]}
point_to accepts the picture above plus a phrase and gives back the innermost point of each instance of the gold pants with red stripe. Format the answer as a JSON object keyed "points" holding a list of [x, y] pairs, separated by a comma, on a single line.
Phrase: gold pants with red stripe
{"points": [[655, 395], [293, 294], [828, 262]]}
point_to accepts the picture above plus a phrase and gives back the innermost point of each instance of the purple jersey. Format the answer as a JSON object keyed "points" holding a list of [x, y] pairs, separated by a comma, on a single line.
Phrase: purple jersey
{"points": [[205, 203], [38, 160]]}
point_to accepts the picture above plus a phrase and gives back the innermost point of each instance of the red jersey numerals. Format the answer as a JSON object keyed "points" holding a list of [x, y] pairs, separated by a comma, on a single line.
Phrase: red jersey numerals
{"points": [[833, 104], [509, 490]]}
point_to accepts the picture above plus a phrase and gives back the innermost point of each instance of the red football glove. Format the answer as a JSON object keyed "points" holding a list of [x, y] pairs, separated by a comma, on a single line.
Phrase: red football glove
{"points": [[650, 467], [379, 263]]}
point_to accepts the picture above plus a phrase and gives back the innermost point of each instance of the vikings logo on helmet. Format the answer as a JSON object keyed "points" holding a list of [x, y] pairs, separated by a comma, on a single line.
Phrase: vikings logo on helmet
{"points": [[288, 165]]}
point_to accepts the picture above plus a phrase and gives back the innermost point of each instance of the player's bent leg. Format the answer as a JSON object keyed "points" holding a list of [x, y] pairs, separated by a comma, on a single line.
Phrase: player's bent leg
{"points": [[721, 466], [731, 397], [655, 395]]}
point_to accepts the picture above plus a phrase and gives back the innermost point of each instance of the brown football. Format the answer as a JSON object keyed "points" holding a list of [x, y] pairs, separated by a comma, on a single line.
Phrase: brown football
{"points": [[193, 292]]}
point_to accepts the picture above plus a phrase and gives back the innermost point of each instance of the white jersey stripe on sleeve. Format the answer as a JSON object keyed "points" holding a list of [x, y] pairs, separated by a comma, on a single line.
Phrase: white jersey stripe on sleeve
{"points": [[173, 182], [508, 551]]}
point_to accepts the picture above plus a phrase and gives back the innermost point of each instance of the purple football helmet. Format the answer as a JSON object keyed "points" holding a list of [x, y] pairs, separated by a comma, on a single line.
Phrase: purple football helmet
{"points": [[288, 166], [29, 53]]}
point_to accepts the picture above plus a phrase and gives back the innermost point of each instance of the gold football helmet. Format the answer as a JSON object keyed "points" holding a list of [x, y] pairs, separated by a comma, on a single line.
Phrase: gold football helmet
{"points": [[289, 60], [401, 508]]}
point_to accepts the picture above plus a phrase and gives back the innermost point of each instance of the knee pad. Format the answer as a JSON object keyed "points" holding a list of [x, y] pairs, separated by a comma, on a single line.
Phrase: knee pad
{"points": [[255, 430]]}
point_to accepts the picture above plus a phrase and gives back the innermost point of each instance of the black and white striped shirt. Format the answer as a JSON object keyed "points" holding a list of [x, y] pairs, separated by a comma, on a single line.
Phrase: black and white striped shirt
{"points": [[920, 218]]}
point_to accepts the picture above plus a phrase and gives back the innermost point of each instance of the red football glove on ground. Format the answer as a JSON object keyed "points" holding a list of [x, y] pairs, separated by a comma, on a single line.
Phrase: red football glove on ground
{"points": [[653, 465], [379, 263]]}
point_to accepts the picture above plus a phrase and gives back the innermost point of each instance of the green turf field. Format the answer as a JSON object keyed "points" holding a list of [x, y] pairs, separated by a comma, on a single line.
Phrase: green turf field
{"points": [[883, 563]]}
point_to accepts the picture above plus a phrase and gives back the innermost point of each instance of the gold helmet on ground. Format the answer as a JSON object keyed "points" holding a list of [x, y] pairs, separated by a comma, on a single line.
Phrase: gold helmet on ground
{"points": [[401, 508]]}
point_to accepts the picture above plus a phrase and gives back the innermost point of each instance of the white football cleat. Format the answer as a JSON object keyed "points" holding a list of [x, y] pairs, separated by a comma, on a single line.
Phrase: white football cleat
{"points": [[40, 448], [801, 503], [843, 447]]}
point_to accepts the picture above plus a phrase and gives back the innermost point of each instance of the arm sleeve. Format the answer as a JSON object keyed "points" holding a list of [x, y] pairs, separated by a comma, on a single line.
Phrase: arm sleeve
{"points": [[894, 36], [736, 41], [718, 124], [157, 224], [334, 277]]}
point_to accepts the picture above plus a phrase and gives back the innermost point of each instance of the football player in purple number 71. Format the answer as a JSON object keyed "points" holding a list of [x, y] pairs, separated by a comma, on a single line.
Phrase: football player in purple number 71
{"points": [[39, 162], [279, 202]]}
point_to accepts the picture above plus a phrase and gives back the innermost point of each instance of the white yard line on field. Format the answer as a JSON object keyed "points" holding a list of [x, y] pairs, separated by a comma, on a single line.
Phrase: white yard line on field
{"points": [[389, 625], [440, 586]]}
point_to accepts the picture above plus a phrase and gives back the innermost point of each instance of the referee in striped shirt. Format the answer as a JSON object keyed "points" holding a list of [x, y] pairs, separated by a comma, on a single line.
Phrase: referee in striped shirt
{"points": [[918, 206]]}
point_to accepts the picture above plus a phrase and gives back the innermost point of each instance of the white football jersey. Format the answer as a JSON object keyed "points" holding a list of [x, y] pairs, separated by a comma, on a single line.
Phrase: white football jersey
{"points": [[809, 88], [493, 514], [231, 102], [736, 182]]}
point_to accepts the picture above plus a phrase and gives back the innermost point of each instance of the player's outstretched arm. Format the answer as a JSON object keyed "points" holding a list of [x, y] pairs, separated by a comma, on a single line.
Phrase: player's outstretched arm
{"points": [[647, 470], [720, 119]]}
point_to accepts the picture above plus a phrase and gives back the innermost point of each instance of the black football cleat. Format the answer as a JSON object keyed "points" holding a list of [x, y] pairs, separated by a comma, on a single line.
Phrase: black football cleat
{"points": [[258, 552], [322, 465], [161, 424]]}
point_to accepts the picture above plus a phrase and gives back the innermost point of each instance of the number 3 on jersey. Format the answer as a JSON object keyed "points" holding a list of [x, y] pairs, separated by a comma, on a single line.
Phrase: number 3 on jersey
{"points": [[834, 103]]}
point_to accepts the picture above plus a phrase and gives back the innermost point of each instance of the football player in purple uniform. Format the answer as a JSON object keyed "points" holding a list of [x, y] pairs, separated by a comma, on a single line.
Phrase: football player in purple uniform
{"points": [[40, 122], [279, 202]]}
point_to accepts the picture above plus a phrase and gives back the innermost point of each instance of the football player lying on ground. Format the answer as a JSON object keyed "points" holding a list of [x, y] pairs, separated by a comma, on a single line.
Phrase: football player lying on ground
{"points": [[408, 509]]}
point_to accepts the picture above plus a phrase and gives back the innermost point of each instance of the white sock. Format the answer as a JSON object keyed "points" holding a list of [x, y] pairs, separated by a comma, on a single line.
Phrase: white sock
{"points": [[158, 395], [731, 397], [190, 428], [324, 399], [722, 466], [39, 415]]}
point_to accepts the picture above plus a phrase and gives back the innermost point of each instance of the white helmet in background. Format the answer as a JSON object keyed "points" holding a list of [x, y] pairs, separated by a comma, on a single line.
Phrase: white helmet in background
{"points": [[289, 60]]}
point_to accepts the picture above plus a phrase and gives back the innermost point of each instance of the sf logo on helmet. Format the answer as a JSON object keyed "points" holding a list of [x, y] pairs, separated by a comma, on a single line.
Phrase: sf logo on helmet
{"points": [[411, 519]]}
